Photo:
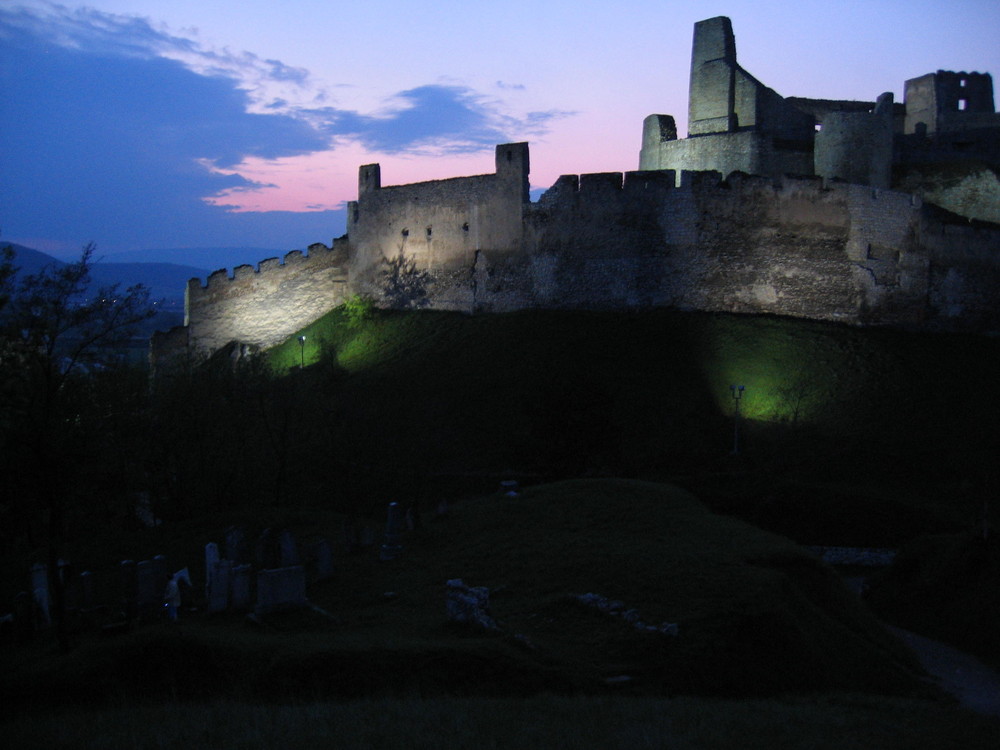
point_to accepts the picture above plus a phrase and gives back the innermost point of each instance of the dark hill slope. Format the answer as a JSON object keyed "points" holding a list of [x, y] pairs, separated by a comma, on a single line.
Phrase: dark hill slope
{"points": [[869, 434]]}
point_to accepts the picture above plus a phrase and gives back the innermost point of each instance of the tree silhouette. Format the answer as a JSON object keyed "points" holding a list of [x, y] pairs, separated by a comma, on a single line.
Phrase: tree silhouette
{"points": [[57, 336]]}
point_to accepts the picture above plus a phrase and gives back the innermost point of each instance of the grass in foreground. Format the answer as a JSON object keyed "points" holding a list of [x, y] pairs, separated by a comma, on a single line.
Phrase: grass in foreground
{"points": [[756, 616], [836, 722]]}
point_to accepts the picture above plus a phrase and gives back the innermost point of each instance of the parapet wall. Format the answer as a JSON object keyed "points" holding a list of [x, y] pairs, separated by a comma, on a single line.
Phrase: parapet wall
{"points": [[804, 247], [745, 244], [265, 305], [441, 225]]}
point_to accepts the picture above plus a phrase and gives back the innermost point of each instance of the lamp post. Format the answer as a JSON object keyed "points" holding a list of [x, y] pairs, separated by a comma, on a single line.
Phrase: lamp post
{"points": [[737, 393], [302, 352]]}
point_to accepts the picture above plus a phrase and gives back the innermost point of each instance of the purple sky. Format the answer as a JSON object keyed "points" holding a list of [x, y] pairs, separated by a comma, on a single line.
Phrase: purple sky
{"points": [[192, 123]]}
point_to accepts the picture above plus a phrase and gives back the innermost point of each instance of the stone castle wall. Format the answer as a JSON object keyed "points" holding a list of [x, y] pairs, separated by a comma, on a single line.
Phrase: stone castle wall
{"points": [[802, 247], [791, 246], [265, 305], [691, 230]]}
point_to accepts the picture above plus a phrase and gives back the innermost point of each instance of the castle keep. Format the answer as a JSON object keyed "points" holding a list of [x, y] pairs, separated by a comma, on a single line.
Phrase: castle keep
{"points": [[868, 213]]}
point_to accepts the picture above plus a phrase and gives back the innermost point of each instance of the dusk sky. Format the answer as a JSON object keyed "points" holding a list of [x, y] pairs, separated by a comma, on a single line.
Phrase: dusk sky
{"points": [[142, 124]]}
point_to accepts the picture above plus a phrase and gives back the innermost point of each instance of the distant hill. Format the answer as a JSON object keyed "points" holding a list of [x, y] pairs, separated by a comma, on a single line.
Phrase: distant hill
{"points": [[212, 258], [166, 281]]}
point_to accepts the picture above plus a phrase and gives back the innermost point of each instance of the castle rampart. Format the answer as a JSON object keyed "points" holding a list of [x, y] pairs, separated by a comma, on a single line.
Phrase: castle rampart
{"points": [[713, 222], [264, 306]]}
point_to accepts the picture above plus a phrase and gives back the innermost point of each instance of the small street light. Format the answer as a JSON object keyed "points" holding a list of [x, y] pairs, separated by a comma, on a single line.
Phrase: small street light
{"points": [[302, 352], [737, 393]]}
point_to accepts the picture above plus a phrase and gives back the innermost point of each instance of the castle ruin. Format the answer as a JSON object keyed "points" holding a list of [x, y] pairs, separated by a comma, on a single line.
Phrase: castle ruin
{"points": [[867, 213]]}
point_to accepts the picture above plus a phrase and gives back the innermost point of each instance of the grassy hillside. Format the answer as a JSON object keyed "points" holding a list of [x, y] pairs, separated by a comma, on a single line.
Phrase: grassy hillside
{"points": [[620, 426], [755, 614], [847, 436]]}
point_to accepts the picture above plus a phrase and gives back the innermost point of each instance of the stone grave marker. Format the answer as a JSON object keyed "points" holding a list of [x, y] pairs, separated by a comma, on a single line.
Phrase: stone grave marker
{"points": [[280, 589], [240, 599], [218, 591], [211, 558], [469, 605]]}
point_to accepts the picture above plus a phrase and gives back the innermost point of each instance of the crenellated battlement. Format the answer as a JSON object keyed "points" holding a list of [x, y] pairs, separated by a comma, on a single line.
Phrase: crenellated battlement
{"points": [[263, 305], [714, 222]]}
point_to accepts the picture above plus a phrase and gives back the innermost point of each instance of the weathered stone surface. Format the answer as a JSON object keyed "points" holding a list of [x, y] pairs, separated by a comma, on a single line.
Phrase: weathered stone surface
{"points": [[468, 605]]}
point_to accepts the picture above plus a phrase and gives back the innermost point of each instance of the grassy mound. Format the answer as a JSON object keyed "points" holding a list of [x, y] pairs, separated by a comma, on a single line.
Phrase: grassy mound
{"points": [[841, 427], [756, 615]]}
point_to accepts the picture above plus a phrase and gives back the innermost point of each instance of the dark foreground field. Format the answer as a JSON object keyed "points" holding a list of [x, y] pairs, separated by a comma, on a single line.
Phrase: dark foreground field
{"points": [[621, 428]]}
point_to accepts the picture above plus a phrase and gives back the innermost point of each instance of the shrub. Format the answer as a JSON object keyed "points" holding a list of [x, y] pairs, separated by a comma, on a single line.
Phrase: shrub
{"points": [[357, 309]]}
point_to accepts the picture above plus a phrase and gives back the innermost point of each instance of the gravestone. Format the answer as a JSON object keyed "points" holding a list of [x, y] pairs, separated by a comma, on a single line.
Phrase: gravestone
{"points": [[218, 591], [236, 546], [40, 593], [322, 557], [280, 589], [240, 599], [469, 605], [395, 524], [130, 589], [211, 558], [288, 550]]}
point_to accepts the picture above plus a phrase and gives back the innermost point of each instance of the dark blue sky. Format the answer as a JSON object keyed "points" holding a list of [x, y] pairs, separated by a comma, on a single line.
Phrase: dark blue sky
{"points": [[103, 139], [195, 123]]}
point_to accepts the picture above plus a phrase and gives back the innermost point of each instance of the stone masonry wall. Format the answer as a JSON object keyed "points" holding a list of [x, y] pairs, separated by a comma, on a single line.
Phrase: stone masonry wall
{"points": [[442, 226], [802, 247], [266, 305]]}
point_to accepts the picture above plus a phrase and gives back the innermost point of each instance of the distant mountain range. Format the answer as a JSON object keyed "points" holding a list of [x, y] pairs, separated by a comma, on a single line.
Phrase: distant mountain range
{"points": [[212, 258], [166, 281], [165, 272]]}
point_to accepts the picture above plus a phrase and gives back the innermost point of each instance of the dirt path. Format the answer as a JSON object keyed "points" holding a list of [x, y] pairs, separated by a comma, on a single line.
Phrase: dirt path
{"points": [[976, 686]]}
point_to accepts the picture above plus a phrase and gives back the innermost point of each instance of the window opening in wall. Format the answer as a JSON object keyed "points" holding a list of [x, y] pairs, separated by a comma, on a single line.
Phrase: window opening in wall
{"points": [[961, 82], [818, 127], [429, 232], [405, 233], [465, 227], [962, 104], [510, 156]]}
